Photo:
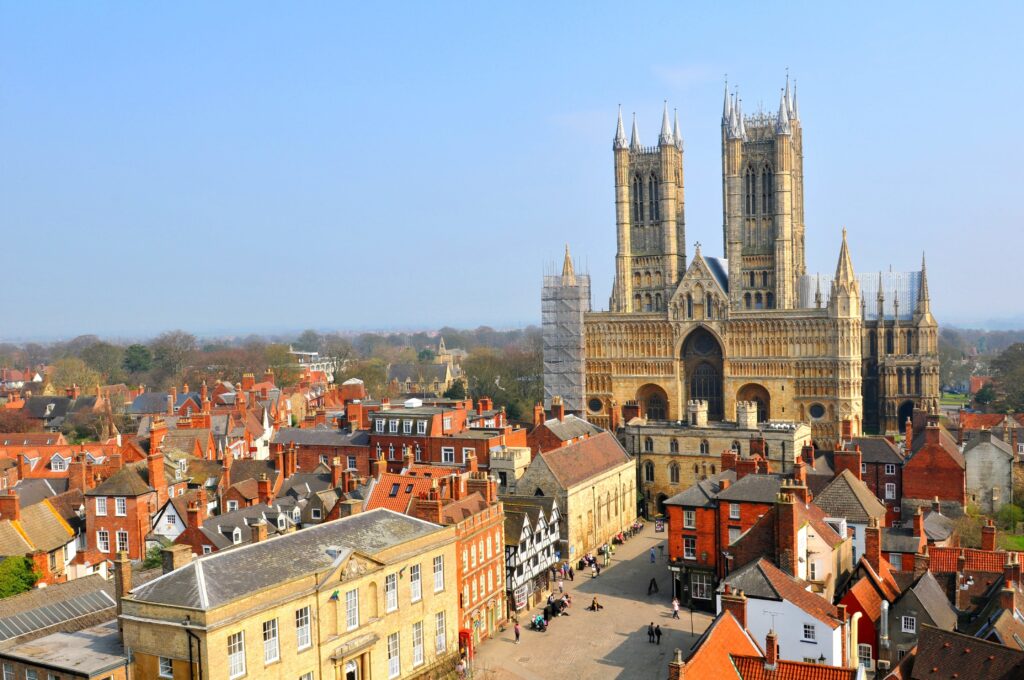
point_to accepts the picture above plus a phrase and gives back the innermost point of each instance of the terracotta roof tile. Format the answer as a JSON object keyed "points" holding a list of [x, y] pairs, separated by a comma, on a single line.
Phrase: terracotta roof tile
{"points": [[578, 462], [711, 653], [753, 668], [944, 559], [943, 654], [395, 492]]}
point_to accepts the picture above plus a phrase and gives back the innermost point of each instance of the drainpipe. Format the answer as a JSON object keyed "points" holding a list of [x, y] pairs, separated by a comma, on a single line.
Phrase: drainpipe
{"points": [[854, 658], [884, 629]]}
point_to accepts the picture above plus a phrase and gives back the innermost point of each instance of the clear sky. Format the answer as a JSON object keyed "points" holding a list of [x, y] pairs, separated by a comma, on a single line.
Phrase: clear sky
{"points": [[265, 166]]}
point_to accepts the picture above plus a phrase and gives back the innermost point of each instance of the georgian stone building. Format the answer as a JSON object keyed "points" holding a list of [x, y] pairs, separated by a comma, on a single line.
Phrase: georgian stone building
{"points": [[753, 326]]}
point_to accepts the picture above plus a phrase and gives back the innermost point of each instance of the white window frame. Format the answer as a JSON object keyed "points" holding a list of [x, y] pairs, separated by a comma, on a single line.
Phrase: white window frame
{"points": [[8, 671], [57, 463], [890, 491], [303, 640], [812, 570], [121, 534], [700, 582], [415, 584], [236, 654], [810, 633], [391, 592], [394, 656], [438, 573], [232, 506], [120, 506], [315, 513], [103, 541], [890, 469], [406, 427], [446, 423], [466, 450], [440, 633], [207, 549], [896, 561], [866, 659], [165, 667], [352, 609], [908, 624], [101, 506], [421, 427], [863, 468], [734, 510], [271, 642], [393, 426], [379, 425], [448, 454], [689, 548], [352, 463], [689, 519], [417, 644]]}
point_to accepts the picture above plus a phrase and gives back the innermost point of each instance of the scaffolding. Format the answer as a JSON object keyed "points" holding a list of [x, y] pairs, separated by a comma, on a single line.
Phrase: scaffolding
{"points": [[565, 298]]}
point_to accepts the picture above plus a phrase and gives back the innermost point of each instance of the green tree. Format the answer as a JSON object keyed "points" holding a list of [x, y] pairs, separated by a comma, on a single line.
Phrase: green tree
{"points": [[154, 558], [308, 341], [286, 370], [137, 359], [1009, 515], [1008, 374], [172, 352], [107, 359], [456, 391], [16, 576], [73, 371], [425, 356]]}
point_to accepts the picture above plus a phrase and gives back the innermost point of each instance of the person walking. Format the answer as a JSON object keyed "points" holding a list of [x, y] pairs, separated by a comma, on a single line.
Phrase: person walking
{"points": [[572, 574], [675, 608], [597, 567], [593, 571], [652, 556], [517, 632], [650, 633], [657, 633], [561, 586]]}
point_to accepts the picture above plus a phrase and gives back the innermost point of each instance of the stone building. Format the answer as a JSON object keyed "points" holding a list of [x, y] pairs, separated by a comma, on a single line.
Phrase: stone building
{"points": [[989, 472], [754, 325], [368, 596]]}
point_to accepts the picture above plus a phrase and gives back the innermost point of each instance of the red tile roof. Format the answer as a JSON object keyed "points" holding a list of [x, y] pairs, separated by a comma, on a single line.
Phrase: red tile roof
{"points": [[795, 591], [976, 421], [395, 492], [576, 463], [865, 591], [944, 559], [943, 654], [711, 655], [753, 668]]}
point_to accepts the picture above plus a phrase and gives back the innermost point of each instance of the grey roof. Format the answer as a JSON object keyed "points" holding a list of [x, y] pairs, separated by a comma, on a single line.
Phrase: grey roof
{"points": [[56, 605], [878, 450], [754, 489], [846, 496], [905, 285], [250, 468], [571, 427], [933, 599], [417, 372], [221, 528], [148, 402], [230, 575], [33, 490], [303, 484], [702, 494], [39, 407], [986, 439], [719, 267], [320, 436], [752, 581], [131, 480], [937, 526], [92, 651], [900, 540], [218, 425]]}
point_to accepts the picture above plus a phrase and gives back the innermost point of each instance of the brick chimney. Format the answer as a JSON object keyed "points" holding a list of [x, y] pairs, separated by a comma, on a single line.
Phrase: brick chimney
{"points": [[847, 460], [175, 556], [931, 432], [921, 562], [336, 472], [486, 486], [77, 474], [408, 457], [225, 468], [729, 460], [471, 464], [807, 453], [736, 604], [157, 432], [1010, 576], [557, 408], [538, 415], [677, 667], [488, 403], [457, 486], [193, 520], [429, 507], [248, 382], [786, 530], [268, 376], [757, 447], [10, 506], [122, 584], [800, 471], [378, 466], [846, 430], [771, 651], [746, 466], [172, 399], [988, 536], [263, 489], [723, 485], [480, 407], [873, 544], [919, 533], [157, 478], [258, 531]]}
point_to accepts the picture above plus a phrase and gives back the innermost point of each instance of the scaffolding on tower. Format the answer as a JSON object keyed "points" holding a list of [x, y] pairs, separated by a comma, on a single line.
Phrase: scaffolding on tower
{"points": [[564, 300]]}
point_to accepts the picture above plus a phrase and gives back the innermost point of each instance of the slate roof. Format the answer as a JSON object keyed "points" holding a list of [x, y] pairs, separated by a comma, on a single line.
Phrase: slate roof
{"points": [[31, 439], [986, 439], [571, 428], [753, 489], [763, 580], [702, 494], [900, 540], [575, 463], [33, 490], [92, 651], [418, 372], [943, 655], [250, 468], [12, 542], [148, 402], [719, 267], [933, 599], [131, 480], [938, 527], [45, 528], [230, 575], [320, 436], [846, 496], [878, 450], [36, 407], [303, 484], [65, 606], [220, 529]]}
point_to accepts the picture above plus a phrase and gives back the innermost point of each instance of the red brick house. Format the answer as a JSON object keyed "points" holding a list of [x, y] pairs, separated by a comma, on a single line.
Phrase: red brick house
{"points": [[559, 430], [935, 470], [39, 533]]}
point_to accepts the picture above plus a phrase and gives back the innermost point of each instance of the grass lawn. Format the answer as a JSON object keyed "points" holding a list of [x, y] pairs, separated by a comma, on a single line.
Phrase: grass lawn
{"points": [[950, 399], [1013, 542]]}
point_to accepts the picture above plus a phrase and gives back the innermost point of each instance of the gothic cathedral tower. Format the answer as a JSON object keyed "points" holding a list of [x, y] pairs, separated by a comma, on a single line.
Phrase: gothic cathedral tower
{"points": [[651, 252], [763, 201]]}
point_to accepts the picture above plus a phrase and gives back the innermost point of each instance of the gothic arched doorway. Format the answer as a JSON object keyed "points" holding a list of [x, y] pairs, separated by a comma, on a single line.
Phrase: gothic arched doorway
{"points": [[653, 402], [759, 395], [660, 503], [906, 411], [702, 365]]}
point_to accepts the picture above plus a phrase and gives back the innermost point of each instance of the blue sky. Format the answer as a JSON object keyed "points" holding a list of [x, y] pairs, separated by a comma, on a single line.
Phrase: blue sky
{"points": [[263, 166]]}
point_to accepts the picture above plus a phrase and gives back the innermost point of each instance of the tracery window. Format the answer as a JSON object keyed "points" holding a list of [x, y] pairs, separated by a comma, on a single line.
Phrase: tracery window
{"points": [[767, 191], [654, 209], [638, 199], [749, 190]]}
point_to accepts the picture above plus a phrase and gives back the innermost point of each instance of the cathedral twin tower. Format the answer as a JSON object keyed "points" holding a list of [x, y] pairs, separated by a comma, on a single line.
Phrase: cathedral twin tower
{"points": [[750, 327]]}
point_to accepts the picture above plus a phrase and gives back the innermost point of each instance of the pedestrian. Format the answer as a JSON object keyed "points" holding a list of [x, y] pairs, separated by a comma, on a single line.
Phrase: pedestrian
{"points": [[561, 586], [652, 555], [675, 608], [572, 574], [650, 633], [652, 587], [597, 567], [593, 571], [657, 633], [517, 632]]}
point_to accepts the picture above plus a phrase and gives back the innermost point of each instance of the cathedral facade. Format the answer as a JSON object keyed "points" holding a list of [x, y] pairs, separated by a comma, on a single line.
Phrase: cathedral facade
{"points": [[751, 327]]}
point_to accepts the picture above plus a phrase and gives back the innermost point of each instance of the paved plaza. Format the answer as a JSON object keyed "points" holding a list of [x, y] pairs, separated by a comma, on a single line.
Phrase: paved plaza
{"points": [[611, 643]]}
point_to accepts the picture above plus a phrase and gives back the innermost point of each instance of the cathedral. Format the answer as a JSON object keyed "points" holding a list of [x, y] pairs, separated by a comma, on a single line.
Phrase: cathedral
{"points": [[752, 327]]}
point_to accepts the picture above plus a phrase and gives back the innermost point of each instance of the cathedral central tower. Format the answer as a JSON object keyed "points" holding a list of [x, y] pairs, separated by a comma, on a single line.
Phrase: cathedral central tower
{"points": [[651, 253]]}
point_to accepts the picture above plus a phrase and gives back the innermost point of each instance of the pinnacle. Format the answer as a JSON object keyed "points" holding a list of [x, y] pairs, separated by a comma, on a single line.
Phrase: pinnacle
{"points": [[665, 138], [620, 133]]}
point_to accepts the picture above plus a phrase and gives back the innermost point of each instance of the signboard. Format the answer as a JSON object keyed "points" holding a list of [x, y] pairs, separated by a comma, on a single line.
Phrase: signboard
{"points": [[520, 596], [659, 525]]}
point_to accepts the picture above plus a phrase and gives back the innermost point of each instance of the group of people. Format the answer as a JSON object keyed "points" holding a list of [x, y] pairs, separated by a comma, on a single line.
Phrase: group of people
{"points": [[654, 633], [589, 560], [559, 572]]}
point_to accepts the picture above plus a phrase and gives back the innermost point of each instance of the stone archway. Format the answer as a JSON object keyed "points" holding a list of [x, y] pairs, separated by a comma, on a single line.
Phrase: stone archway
{"points": [[660, 503], [702, 358], [906, 410], [653, 402], [760, 396]]}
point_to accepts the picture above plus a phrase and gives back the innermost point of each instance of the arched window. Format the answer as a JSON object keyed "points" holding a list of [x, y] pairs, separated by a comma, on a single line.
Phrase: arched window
{"points": [[749, 189], [696, 469], [689, 306], [758, 301], [648, 471], [657, 279], [705, 447], [647, 302], [888, 342], [770, 300], [638, 200], [673, 473], [767, 191], [657, 302], [736, 446], [764, 279], [712, 468], [652, 195], [746, 300], [751, 275], [673, 446], [707, 307], [648, 445], [636, 279], [647, 279], [636, 302]]}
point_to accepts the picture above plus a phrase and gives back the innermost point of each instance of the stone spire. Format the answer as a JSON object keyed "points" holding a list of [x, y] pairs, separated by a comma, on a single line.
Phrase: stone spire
{"points": [[782, 120], [634, 140], [844, 268], [923, 299], [741, 127], [568, 273], [620, 133], [676, 132], [880, 297], [794, 110], [727, 107], [817, 291], [789, 99], [665, 138]]}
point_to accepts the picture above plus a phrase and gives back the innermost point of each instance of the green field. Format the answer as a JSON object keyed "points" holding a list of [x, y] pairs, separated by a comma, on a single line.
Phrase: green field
{"points": [[1013, 542], [950, 399]]}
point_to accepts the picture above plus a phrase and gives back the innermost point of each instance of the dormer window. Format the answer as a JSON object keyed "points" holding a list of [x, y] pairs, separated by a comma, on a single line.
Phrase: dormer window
{"points": [[380, 425], [421, 427], [281, 522], [406, 427], [393, 426], [57, 463], [236, 536]]}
